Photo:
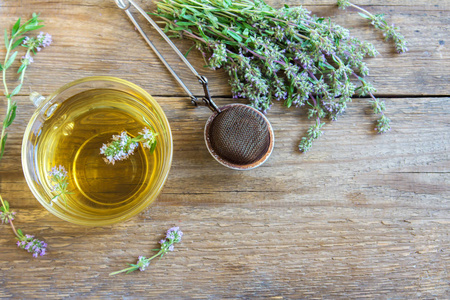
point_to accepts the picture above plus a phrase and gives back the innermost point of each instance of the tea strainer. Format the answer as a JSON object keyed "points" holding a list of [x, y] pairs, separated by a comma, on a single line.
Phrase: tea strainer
{"points": [[237, 135]]}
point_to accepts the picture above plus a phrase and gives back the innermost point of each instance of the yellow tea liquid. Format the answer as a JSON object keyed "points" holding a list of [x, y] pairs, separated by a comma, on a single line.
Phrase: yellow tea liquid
{"points": [[72, 137]]}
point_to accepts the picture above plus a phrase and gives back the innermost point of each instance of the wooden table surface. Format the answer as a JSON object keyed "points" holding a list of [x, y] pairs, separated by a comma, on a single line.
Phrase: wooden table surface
{"points": [[359, 216]]}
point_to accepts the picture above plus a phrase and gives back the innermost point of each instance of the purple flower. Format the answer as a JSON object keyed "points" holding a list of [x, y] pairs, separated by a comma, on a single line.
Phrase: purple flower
{"points": [[121, 147], [148, 138], [32, 245], [25, 41], [143, 263], [7, 217], [44, 40], [27, 59], [174, 234], [59, 172]]}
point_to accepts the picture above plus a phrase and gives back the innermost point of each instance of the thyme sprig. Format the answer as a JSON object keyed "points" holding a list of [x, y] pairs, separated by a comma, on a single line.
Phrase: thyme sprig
{"points": [[33, 44], [12, 41], [173, 236], [283, 54], [60, 182], [24, 241], [390, 32]]}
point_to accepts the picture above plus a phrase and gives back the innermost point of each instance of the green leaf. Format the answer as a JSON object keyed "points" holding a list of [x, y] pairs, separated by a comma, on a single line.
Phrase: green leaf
{"points": [[248, 26], [19, 231], [21, 68], [185, 24], [193, 10], [16, 90], [153, 147], [6, 205], [1, 67], [179, 28], [17, 43], [212, 19], [32, 27], [10, 60], [2, 145], [11, 115], [15, 28], [202, 34], [364, 15], [189, 18], [234, 35], [189, 50]]}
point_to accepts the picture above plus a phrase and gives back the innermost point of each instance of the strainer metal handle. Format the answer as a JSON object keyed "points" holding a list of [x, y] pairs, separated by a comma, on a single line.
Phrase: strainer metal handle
{"points": [[206, 100]]}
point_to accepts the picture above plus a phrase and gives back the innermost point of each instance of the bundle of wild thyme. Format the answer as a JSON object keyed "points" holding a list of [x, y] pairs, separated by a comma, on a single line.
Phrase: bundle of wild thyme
{"points": [[283, 54], [32, 45]]}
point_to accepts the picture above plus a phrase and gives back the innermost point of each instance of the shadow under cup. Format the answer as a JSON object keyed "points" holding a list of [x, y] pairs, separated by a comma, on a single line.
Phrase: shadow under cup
{"points": [[69, 128]]}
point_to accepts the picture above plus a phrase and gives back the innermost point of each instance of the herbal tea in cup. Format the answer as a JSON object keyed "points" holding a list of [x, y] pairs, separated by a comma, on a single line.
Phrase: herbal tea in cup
{"points": [[97, 151]]}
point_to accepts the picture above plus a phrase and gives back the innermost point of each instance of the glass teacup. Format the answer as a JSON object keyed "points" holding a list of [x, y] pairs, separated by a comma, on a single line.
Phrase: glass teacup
{"points": [[62, 159]]}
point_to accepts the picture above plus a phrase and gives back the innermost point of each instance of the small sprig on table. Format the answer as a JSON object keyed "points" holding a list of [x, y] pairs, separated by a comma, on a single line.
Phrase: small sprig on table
{"points": [[390, 32], [173, 236], [24, 241], [32, 44]]}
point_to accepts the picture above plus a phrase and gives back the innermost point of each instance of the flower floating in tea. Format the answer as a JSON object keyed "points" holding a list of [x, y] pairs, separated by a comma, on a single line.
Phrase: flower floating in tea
{"points": [[173, 236], [59, 177], [123, 145]]}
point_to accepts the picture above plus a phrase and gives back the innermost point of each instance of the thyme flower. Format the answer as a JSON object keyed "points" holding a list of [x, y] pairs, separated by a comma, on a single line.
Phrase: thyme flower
{"points": [[32, 245], [58, 176], [173, 236], [284, 54], [7, 216], [123, 145]]}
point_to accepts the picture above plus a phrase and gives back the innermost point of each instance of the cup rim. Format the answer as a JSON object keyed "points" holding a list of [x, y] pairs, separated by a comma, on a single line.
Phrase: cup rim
{"points": [[150, 197]]}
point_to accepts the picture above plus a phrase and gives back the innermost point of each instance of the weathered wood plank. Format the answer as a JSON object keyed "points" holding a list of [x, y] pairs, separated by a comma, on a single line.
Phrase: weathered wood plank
{"points": [[420, 138], [91, 40]]}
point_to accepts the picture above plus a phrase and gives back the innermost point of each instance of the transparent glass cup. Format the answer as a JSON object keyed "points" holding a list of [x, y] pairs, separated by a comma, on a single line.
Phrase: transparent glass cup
{"points": [[68, 129]]}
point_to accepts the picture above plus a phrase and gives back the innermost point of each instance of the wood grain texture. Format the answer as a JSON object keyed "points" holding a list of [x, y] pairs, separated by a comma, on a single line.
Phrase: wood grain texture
{"points": [[359, 216]]}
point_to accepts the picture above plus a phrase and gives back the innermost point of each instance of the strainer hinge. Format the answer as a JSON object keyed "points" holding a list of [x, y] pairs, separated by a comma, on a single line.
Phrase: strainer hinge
{"points": [[207, 99]]}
